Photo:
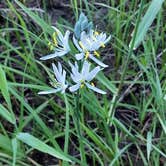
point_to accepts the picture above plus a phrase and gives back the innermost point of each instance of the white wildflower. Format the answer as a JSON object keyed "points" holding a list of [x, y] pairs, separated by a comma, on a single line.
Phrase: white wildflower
{"points": [[89, 44], [84, 77], [59, 81], [60, 45]]}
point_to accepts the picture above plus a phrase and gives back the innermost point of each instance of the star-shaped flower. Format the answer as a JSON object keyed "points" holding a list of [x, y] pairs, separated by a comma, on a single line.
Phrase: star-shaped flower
{"points": [[60, 45], [89, 44], [84, 77], [59, 82]]}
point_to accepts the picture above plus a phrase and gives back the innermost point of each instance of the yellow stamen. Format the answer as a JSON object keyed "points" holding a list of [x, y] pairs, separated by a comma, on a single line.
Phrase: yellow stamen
{"points": [[86, 55], [103, 45], [51, 47], [92, 84], [54, 36], [54, 83], [49, 44], [82, 85], [96, 53], [96, 33]]}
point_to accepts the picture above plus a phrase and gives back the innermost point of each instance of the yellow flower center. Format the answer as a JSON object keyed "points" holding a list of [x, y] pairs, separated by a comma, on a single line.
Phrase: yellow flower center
{"points": [[82, 85], [50, 45], [92, 84], [53, 44], [103, 45], [96, 33], [96, 53], [54, 37], [87, 55], [55, 84]]}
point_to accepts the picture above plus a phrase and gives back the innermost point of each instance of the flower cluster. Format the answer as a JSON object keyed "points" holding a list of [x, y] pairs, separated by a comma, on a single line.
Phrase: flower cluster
{"points": [[87, 41]]}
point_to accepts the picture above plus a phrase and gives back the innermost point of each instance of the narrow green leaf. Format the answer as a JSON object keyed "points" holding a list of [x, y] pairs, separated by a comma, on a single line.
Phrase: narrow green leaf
{"points": [[119, 154], [40, 122], [41, 146], [122, 126], [45, 26], [5, 143], [159, 151], [4, 87], [6, 114], [142, 155], [147, 20], [149, 144], [98, 141], [162, 123], [14, 146], [104, 80]]}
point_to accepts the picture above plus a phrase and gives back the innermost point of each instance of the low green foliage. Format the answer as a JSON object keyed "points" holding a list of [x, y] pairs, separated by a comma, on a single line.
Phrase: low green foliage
{"points": [[125, 127]]}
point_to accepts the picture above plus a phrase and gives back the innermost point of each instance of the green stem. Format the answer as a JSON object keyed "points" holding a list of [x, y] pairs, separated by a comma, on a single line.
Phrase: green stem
{"points": [[80, 137], [67, 125]]}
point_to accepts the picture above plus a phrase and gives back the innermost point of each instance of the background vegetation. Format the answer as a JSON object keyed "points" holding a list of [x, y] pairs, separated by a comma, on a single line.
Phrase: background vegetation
{"points": [[125, 127]]}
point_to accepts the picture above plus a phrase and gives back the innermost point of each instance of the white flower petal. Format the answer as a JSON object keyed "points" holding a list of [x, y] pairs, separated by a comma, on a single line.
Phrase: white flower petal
{"points": [[54, 55], [57, 74], [63, 76], [60, 75], [62, 53], [93, 73], [107, 39], [97, 61], [60, 36], [84, 36], [70, 64], [76, 44], [95, 89], [67, 34], [74, 68], [54, 28], [50, 56], [59, 67], [76, 77], [79, 56], [62, 47], [49, 91], [74, 87], [66, 40], [85, 68]]}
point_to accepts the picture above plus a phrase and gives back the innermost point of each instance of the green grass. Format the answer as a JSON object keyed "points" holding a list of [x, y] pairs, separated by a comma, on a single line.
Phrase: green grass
{"points": [[126, 127]]}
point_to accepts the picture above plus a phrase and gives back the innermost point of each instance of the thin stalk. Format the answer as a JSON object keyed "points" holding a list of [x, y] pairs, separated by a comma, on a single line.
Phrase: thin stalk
{"points": [[66, 127], [77, 119]]}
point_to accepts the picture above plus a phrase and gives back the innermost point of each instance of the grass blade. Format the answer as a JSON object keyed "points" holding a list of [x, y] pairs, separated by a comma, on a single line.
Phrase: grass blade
{"points": [[162, 123], [4, 87], [6, 114], [45, 26], [149, 144], [119, 154], [14, 146], [147, 20], [41, 146]]}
